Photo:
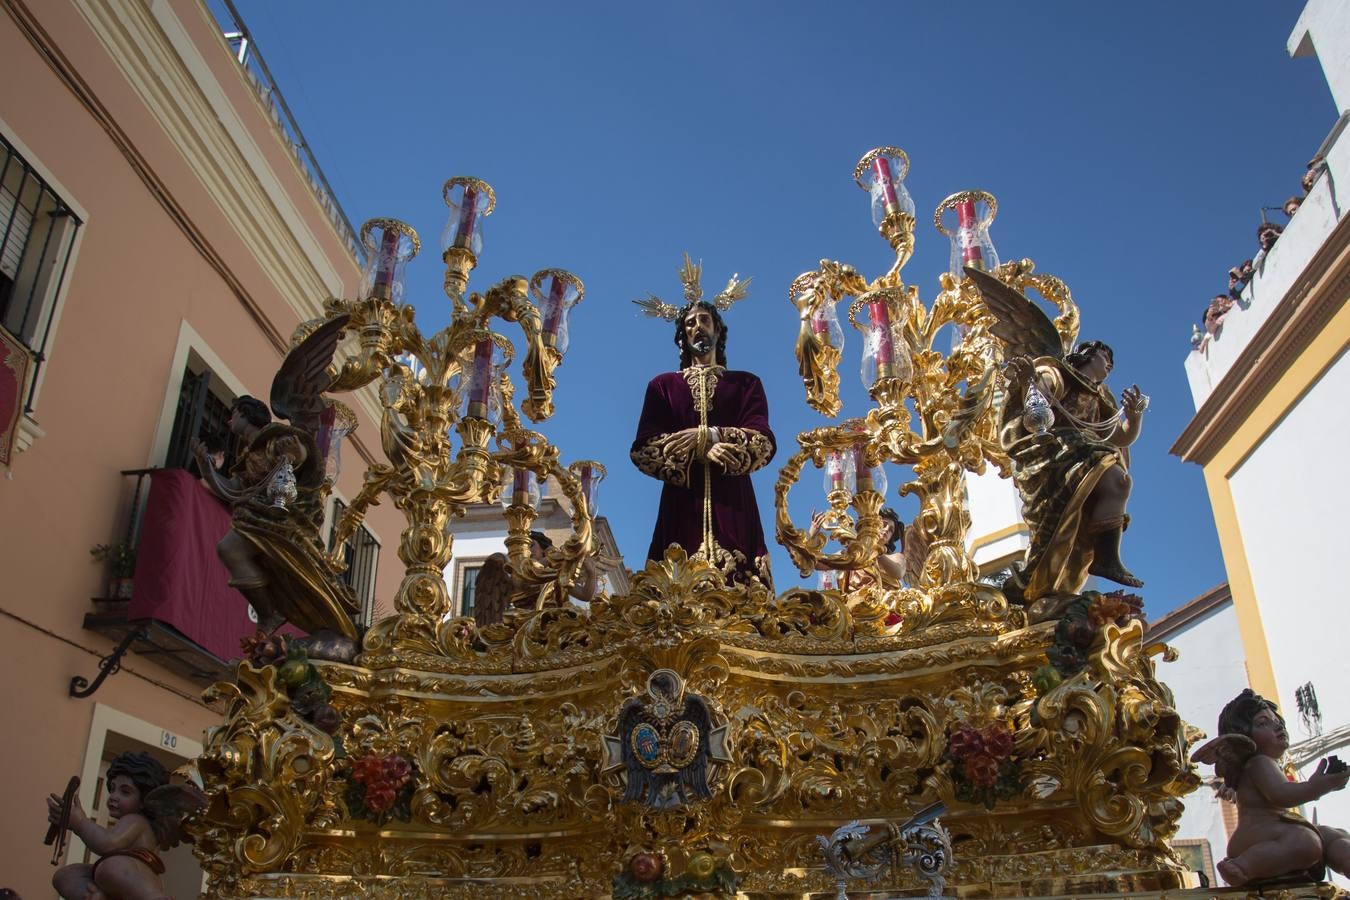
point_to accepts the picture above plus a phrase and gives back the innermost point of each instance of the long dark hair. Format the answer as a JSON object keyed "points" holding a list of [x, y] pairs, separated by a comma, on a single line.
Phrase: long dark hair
{"points": [[681, 341], [898, 532]]}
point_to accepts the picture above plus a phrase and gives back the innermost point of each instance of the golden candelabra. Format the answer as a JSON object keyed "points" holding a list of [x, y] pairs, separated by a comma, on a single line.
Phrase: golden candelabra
{"points": [[691, 737]]}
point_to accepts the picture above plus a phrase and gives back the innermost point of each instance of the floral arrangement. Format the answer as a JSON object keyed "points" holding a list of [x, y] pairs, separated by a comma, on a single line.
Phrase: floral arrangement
{"points": [[983, 768], [308, 691], [1077, 631], [381, 787]]}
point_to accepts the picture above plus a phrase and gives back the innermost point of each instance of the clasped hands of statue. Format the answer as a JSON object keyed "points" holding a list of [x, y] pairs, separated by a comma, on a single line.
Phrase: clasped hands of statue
{"points": [[707, 445]]}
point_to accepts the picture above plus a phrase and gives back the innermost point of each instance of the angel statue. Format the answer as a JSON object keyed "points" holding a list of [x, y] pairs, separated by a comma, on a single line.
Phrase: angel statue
{"points": [[666, 742], [1068, 441], [147, 812], [1271, 839], [276, 491]]}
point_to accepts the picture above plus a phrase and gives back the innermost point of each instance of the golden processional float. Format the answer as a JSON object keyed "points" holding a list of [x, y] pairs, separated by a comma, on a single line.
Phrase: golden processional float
{"points": [[691, 737]]}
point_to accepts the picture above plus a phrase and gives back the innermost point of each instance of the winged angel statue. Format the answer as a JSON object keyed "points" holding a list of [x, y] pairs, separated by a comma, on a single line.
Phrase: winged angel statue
{"points": [[1068, 442], [276, 491]]}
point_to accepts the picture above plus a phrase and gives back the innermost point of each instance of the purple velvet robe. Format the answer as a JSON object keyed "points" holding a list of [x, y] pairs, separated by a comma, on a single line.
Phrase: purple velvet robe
{"points": [[741, 411]]}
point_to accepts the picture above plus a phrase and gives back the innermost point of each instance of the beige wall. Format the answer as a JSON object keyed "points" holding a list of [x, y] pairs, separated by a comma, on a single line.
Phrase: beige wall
{"points": [[158, 249]]}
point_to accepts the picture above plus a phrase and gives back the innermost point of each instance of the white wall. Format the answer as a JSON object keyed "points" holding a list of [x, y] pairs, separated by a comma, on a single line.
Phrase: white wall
{"points": [[1210, 671], [1293, 506], [1324, 29], [994, 505]]}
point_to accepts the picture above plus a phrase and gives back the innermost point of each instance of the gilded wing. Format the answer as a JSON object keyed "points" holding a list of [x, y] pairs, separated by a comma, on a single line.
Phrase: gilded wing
{"points": [[297, 389], [657, 308], [694, 776], [630, 716], [1228, 754], [167, 806], [1018, 322], [492, 590]]}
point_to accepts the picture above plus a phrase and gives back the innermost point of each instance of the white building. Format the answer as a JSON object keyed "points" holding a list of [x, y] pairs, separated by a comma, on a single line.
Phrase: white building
{"points": [[1271, 426], [1209, 671]]}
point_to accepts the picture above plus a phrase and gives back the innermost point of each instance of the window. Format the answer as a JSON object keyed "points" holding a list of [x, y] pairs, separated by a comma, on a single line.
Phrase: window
{"points": [[469, 580], [203, 412], [37, 233], [361, 552]]}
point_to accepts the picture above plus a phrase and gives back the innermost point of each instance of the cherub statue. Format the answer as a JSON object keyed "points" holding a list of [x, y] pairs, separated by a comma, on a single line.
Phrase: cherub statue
{"points": [[1068, 444], [147, 811], [1271, 839], [277, 490]]}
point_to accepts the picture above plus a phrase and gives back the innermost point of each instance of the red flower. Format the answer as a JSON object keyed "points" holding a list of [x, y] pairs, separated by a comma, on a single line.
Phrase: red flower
{"points": [[981, 770], [379, 798], [964, 742], [998, 741], [397, 770]]}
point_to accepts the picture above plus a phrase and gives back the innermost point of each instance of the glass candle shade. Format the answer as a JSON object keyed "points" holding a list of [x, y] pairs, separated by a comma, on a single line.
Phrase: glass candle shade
{"points": [[840, 474], [520, 488], [881, 172], [825, 325], [972, 214], [556, 292], [470, 201], [885, 354], [869, 478], [389, 245], [590, 473]]}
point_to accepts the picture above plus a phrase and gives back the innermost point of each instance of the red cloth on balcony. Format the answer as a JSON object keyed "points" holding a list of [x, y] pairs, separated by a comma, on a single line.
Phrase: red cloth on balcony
{"points": [[179, 579]]}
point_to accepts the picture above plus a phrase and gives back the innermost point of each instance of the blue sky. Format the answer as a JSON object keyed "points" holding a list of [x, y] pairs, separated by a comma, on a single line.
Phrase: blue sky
{"points": [[1130, 146]]}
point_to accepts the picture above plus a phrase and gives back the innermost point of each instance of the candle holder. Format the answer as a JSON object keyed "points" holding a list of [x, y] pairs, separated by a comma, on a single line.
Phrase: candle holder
{"points": [[447, 389], [389, 244], [470, 201], [820, 340], [971, 244], [881, 173], [931, 409]]}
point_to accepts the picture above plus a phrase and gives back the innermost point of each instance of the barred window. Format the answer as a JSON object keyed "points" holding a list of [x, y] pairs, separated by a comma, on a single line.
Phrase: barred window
{"points": [[361, 552], [203, 413], [37, 233]]}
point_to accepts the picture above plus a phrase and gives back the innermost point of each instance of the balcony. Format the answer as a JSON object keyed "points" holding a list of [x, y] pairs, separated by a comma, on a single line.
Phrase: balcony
{"points": [[179, 594], [1287, 270]]}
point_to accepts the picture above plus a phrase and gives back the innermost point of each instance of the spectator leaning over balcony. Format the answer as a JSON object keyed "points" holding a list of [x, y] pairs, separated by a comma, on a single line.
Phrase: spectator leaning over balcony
{"points": [[1214, 314], [1238, 276], [1266, 235], [1316, 166], [1291, 206]]}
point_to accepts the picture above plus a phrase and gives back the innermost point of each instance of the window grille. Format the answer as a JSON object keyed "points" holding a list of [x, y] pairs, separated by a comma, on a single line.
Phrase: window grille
{"points": [[203, 415], [362, 554], [37, 233]]}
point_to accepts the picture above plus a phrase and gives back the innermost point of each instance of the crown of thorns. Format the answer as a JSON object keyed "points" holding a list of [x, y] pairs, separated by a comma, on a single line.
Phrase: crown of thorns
{"points": [[691, 275]]}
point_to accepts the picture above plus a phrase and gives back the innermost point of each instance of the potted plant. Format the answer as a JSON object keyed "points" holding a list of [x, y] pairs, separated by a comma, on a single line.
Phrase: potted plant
{"points": [[121, 560]]}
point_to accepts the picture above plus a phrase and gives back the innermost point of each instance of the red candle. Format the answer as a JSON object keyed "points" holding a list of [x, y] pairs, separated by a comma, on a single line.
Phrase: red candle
{"points": [[819, 324], [863, 473], [468, 217], [968, 235], [882, 167], [554, 311], [480, 382], [520, 487], [881, 324], [385, 262], [587, 487]]}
